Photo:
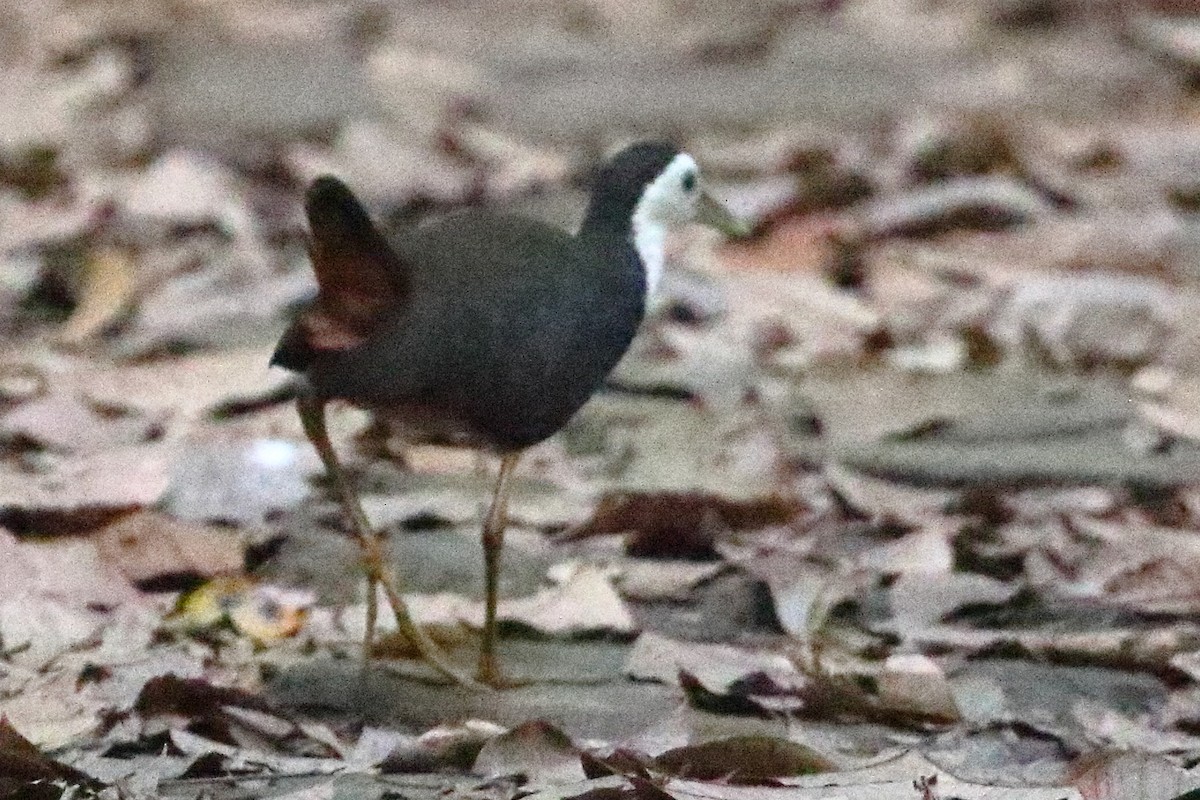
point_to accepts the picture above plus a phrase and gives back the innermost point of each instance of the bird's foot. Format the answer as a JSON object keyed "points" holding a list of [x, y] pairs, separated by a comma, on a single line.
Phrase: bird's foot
{"points": [[490, 674]]}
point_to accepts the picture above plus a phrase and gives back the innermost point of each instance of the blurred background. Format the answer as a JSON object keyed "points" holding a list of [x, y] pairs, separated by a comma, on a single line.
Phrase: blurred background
{"points": [[168, 142], [936, 186], [959, 355]]}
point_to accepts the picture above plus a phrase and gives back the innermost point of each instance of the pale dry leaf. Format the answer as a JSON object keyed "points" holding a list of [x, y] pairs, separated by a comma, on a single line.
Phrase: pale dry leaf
{"points": [[387, 166], [70, 570], [326, 790], [926, 551], [652, 579], [716, 666], [231, 299], [763, 198], [796, 322], [586, 602], [708, 364], [38, 629], [181, 187], [1175, 410], [1176, 36], [150, 545], [920, 599], [941, 352], [1088, 319], [32, 225], [62, 422], [511, 166], [892, 779], [1151, 566], [35, 114], [186, 387], [916, 684], [1040, 503], [882, 499], [1109, 728], [122, 478], [1135, 776], [50, 711], [106, 294], [138, 777], [536, 750], [805, 591], [375, 746], [770, 150], [967, 202]]}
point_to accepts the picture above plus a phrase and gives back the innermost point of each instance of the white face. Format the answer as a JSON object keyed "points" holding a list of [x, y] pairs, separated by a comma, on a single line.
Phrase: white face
{"points": [[672, 197], [670, 200]]}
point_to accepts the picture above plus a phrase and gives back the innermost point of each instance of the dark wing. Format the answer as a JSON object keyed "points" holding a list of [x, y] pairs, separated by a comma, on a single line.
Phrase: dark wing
{"points": [[360, 280]]}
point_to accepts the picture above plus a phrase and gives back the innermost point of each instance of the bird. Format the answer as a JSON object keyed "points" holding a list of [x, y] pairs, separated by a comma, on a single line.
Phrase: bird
{"points": [[480, 330]]}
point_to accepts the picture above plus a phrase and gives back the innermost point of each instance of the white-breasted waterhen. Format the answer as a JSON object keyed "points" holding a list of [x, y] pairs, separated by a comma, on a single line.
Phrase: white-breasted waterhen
{"points": [[480, 330]]}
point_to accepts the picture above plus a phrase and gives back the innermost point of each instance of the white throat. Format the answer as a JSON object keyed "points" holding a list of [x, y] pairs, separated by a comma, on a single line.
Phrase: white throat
{"points": [[664, 204], [649, 239]]}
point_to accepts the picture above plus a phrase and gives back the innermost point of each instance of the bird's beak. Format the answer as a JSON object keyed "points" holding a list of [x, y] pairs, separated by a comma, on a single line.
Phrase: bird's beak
{"points": [[711, 213]]}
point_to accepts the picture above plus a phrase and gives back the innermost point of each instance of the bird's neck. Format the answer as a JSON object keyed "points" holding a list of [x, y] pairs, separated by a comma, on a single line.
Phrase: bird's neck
{"points": [[645, 235]]}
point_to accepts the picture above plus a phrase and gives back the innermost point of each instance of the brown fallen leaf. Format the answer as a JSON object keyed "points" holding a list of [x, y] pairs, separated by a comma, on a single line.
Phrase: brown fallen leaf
{"points": [[804, 245], [170, 695], [680, 524], [743, 760], [27, 774], [237, 724]]}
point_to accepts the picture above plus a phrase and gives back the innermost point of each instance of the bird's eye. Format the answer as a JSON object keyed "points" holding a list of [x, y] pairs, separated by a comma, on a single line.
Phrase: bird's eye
{"points": [[689, 181]]}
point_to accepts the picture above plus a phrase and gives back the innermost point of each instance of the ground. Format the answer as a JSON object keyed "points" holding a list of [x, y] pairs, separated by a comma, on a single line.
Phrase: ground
{"points": [[898, 498]]}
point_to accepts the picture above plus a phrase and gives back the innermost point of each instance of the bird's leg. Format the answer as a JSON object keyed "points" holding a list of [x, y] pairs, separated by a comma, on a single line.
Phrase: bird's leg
{"points": [[493, 541], [312, 418]]}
